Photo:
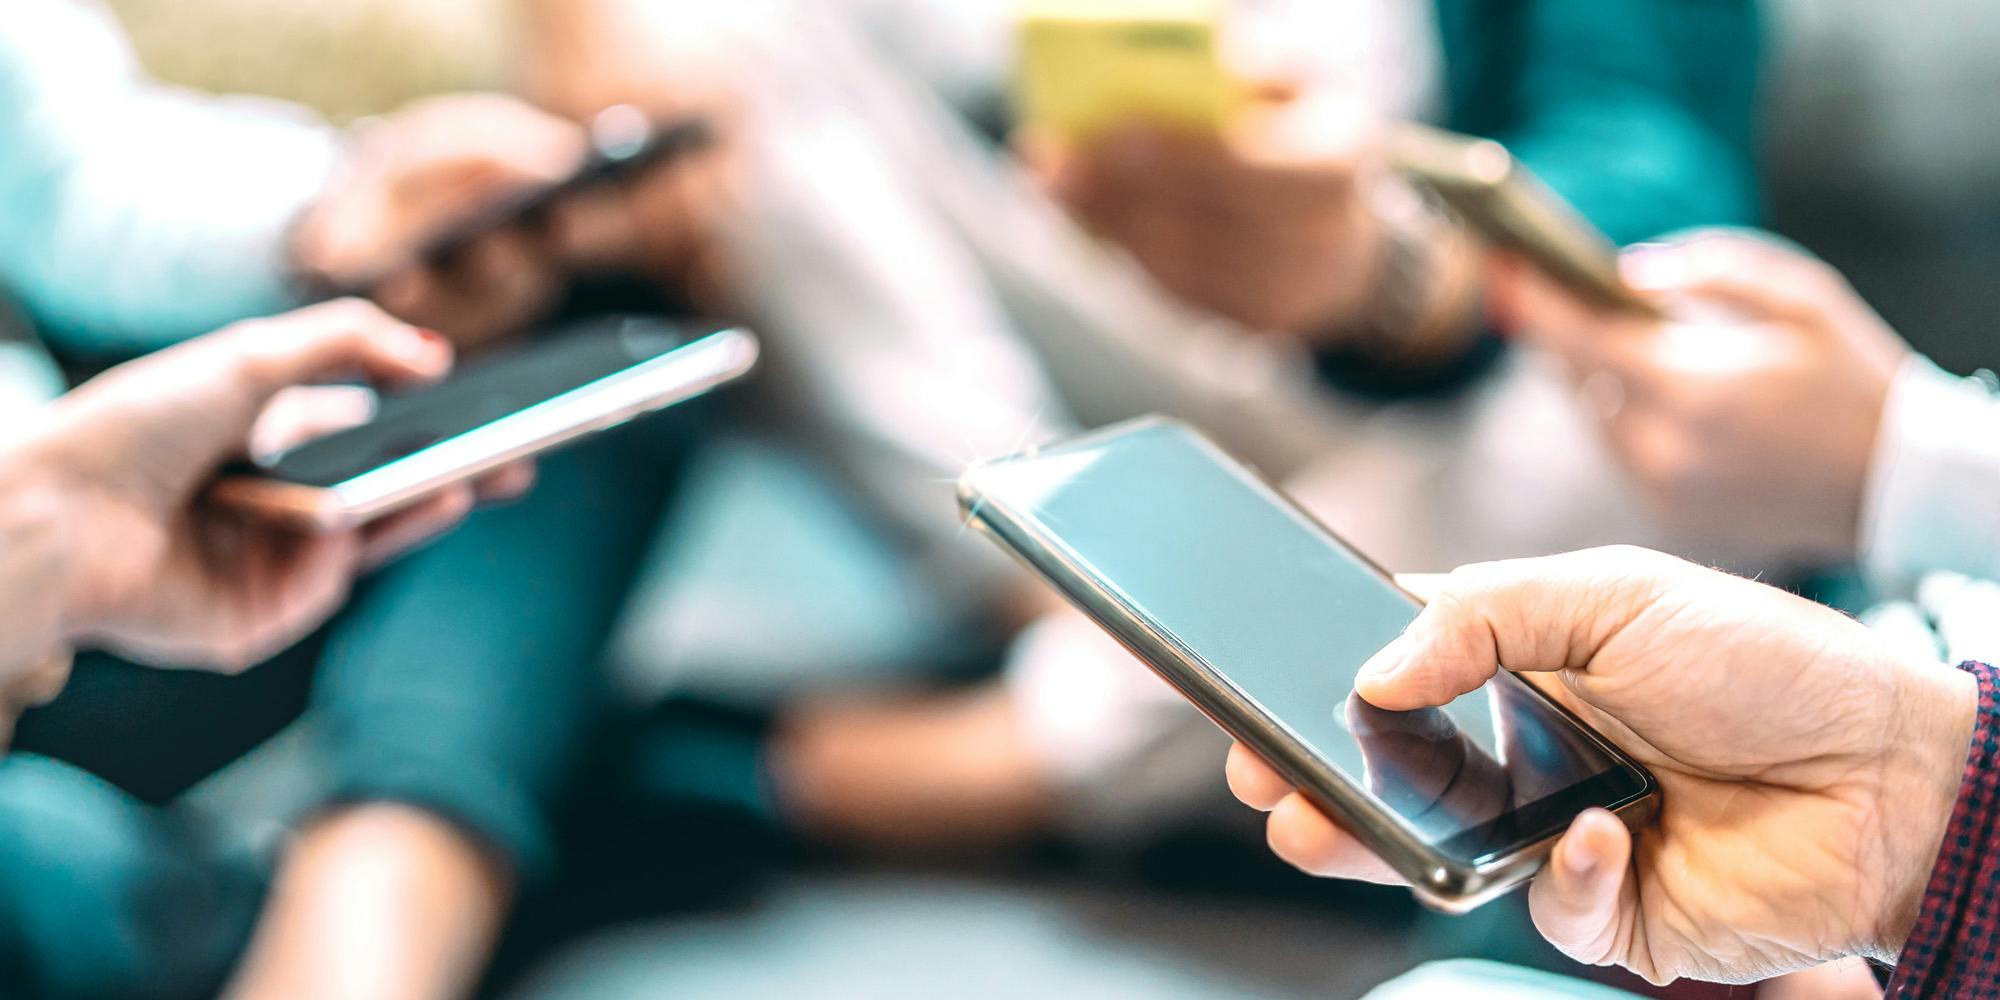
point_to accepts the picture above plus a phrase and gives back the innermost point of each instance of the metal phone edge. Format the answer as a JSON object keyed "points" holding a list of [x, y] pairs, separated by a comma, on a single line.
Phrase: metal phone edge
{"points": [[1438, 881], [735, 349]]}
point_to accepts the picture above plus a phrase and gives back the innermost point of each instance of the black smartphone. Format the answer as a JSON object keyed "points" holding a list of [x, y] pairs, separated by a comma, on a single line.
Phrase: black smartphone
{"points": [[514, 403], [1261, 617]]}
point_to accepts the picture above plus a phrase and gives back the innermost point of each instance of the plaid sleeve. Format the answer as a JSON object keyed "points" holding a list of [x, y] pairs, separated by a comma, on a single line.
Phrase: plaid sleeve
{"points": [[1954, 949]]}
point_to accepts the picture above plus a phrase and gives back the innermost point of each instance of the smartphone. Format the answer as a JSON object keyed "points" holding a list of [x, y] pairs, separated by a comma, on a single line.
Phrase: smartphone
{"points": [[1482, 183], [1083, 66], [1261, 617], [508, 405], [624, 143]]}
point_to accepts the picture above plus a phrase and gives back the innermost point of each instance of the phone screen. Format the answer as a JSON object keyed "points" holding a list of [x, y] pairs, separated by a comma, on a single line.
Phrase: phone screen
{"points": [[1207, 555], [480, 392]]}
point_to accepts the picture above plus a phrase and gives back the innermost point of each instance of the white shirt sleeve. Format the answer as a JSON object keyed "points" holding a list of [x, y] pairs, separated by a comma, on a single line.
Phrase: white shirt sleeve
{"points": [[1933, 498], [131, 214]]}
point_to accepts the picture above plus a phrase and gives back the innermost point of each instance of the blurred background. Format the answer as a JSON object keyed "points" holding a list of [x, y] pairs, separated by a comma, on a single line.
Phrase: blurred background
{"points": [[829, 745]]}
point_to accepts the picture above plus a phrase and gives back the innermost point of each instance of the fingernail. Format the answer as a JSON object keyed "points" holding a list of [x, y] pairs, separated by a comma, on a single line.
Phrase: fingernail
{"points": [[435, 347]]}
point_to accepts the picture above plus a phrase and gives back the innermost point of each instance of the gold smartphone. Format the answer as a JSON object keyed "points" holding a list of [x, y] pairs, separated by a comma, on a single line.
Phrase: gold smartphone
{"points": [[1087, 65], [1261, 617], [1481, 182], [506, 406]]}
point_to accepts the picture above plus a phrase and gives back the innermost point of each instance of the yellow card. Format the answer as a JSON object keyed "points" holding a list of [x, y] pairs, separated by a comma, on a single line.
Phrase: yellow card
{"points": [[1085, 65]]}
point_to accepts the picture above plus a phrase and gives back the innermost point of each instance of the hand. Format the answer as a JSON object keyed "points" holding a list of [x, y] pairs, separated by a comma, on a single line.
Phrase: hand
{"points": [[1750, 419], [664, 226], [417, 173], [151, 571], [1807, 768], [1267, 225]]}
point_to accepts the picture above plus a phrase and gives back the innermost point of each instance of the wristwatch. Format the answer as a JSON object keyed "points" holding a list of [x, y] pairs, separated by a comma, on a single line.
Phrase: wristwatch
{"points": [[1422, 320]]}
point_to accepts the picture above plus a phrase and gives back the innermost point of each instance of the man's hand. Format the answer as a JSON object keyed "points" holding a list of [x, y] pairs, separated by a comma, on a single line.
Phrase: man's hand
{"points": [[149, 569], [1807, 769], [1749, 419], [419, 172]]}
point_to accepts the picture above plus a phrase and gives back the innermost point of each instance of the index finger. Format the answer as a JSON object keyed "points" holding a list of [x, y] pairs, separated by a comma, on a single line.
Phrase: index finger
{"points": [[1252, 781], [1306, 839]]}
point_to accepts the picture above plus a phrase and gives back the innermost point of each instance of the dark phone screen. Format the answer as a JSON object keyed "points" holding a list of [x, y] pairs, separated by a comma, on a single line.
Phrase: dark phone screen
{"points": [[478, 393], [1274, 603]]}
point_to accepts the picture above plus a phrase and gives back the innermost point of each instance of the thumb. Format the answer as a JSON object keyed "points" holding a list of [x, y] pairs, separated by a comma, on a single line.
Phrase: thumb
{"points": [[1544, 614], [1756, 279], [1422, 586]]}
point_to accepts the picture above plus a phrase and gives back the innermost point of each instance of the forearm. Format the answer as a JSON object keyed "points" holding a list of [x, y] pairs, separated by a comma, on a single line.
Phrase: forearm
{"points": [[378, 901]]}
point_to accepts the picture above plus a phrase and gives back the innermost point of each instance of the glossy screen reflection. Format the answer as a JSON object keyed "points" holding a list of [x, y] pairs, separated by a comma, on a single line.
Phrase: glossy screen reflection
{"points": [[1269, 600]]}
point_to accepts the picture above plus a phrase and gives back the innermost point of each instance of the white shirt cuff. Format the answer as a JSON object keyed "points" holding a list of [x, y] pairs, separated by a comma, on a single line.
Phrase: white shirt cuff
{"points": [[1933, 499]]}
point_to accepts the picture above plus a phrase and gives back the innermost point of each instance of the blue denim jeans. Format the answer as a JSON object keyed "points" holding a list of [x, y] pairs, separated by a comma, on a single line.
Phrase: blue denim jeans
{"points": [[465, 680]]}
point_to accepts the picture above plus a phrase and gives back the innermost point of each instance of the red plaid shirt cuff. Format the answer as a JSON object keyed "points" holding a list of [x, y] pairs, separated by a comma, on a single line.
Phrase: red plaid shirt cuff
{"points": [[1954, 949]]}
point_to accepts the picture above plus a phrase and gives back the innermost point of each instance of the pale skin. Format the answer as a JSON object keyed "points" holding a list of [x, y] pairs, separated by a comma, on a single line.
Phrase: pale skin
{"points": [[117, 548], [1750, 417], [377, 900], [1273, 223], [431, 165], [1807, 768]]}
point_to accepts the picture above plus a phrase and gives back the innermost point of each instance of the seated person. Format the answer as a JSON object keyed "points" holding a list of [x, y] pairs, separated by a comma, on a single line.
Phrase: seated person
{"points": [[1277, 227], [446, 747], [109, 545]]}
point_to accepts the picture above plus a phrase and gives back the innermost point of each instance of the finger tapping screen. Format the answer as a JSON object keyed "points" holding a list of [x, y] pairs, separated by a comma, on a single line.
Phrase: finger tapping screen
{"points": [[1206, 555]]}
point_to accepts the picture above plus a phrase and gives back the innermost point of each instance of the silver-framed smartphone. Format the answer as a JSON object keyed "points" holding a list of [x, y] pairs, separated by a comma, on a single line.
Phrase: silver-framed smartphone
{"points": [[1260, 616], [512, 404], [1482, 182]]}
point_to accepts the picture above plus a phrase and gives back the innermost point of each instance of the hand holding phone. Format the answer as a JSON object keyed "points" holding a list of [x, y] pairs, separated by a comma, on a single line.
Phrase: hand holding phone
{"points": [[446, 212], [147, 567], [1262, 619], [1807, 766], [507, 406], [1481, 182]]}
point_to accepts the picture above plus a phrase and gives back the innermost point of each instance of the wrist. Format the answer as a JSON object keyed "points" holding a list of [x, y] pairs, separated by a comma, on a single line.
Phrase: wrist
{"points": [[1418, 306], [1924, 766]]}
